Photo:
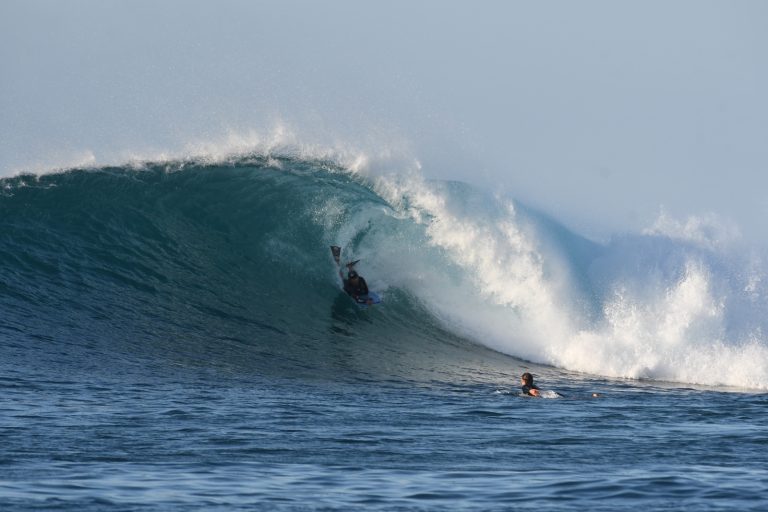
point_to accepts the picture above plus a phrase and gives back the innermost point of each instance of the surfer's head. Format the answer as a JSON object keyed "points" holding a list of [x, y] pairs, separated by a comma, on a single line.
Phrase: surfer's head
{"points": [[527, 379], [352, 274]]}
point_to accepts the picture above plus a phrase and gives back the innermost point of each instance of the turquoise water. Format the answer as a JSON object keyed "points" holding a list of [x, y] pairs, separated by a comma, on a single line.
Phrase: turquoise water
{"points": [[174, 338]]}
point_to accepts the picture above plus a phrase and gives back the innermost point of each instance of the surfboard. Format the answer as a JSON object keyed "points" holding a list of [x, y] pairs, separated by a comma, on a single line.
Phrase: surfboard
{"points": [[362, 300]]}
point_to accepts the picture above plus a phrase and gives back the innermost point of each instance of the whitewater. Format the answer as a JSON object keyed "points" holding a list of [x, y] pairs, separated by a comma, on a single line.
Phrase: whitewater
{"points": [[174, 336]]}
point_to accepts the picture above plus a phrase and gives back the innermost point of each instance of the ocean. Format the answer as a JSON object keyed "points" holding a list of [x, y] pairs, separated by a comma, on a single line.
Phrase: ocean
{"points": [[173, 336]]}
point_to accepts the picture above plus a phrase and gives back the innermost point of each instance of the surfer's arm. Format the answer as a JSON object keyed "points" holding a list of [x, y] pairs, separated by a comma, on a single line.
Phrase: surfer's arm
{"points": [[530, 391]]}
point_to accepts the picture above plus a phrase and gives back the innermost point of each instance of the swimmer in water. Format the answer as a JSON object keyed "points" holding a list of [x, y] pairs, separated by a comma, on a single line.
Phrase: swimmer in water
{"points": [[529, 388]]}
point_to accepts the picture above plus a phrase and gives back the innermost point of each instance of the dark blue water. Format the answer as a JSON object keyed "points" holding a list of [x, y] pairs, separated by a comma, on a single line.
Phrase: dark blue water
{"points": [[243, 442], [175, 339]]}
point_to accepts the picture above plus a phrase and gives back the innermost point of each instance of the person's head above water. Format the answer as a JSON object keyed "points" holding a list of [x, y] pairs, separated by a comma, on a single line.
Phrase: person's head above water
{"points": [[352, 274], [529, 388], [527, 379]]}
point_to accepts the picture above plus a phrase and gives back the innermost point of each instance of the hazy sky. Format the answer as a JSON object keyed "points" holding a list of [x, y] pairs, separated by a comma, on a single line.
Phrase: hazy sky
{"points": [[598, 112]]}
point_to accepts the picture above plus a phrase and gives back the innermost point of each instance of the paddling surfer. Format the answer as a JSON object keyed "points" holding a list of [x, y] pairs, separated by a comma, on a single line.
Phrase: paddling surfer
{"points": [[529, 388]]}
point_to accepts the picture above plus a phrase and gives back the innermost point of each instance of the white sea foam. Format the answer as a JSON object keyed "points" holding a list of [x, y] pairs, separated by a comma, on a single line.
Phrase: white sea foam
{"points": [[670, 304], [709, 230]]}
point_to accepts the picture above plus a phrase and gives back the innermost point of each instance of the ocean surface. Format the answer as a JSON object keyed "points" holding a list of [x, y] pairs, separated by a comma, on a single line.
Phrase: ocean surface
{"points": [[173, 336]]}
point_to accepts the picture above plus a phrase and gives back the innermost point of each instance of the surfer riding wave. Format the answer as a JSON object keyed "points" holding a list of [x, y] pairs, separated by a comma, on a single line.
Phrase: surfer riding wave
{"points": [[354, 285]]}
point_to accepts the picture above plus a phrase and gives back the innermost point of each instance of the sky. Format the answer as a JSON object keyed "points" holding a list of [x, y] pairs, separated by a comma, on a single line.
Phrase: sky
{"points": [[600, 113]]}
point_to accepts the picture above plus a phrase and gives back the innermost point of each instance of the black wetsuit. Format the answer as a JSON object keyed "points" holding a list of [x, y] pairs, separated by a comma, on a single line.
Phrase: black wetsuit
{"points": [[356, 291], [527, 389]]}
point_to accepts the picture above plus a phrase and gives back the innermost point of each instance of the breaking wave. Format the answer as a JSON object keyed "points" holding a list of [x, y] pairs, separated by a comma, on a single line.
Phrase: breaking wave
{"points": [[206, 261]]}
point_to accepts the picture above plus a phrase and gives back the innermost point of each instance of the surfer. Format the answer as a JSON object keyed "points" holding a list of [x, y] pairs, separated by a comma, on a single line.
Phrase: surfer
{"points": [[529, 388], [356, 286]]}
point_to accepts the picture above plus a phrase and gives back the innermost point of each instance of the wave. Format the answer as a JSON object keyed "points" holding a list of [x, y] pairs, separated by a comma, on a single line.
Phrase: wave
{"points": [[226, 262]]}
